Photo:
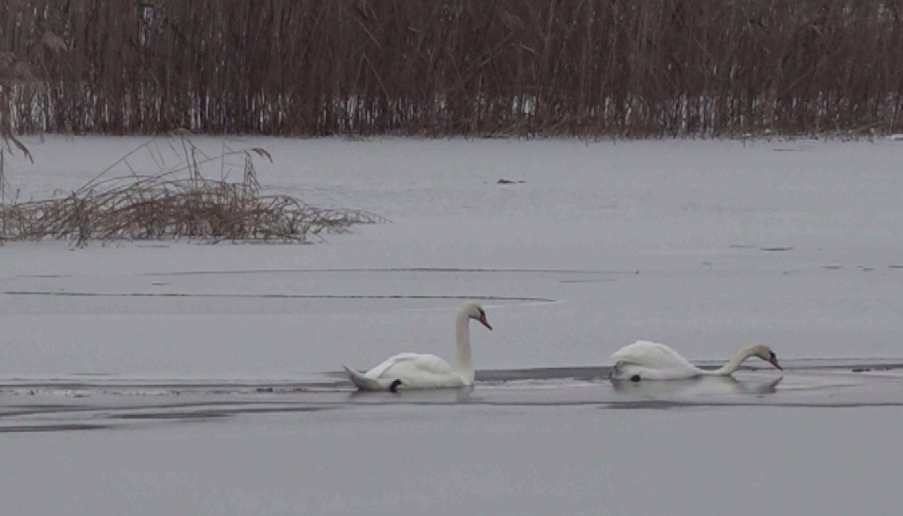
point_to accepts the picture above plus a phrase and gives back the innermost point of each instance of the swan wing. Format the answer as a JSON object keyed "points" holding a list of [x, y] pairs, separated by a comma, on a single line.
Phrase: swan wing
{"points": [[407, 364], [651, 360], [649, 354]]}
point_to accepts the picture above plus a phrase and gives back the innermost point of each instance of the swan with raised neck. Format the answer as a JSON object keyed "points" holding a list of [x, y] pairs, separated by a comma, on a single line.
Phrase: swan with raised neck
{"points": [[423, 371]]}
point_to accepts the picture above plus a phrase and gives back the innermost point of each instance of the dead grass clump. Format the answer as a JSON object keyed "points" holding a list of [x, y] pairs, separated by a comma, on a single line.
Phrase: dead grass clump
{"points": [[175, 204]]}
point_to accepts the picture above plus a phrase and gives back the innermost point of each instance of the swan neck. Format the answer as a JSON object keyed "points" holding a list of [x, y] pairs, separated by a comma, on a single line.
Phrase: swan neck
{"points": [[731, 365], [463, 357]]}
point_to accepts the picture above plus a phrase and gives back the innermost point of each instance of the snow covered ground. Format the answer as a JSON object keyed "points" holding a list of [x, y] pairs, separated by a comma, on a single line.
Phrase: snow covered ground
{"points": [[703, 245]]}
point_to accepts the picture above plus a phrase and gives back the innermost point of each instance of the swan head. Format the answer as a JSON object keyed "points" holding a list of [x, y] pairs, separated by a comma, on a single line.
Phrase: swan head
{"points": [[476, 312], [765, 353]]}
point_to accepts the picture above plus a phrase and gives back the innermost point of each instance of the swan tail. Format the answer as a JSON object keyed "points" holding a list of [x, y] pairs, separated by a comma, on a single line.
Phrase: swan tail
{"points": [[366, 383]]}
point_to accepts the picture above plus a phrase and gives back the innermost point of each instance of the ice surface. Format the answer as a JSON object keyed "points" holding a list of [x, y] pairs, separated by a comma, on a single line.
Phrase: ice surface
{"points": [[166, 354], [704, 245]]}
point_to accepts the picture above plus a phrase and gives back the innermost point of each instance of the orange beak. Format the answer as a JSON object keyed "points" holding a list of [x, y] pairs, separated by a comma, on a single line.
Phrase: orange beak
{"points": [[774, 362], [483, 320]]}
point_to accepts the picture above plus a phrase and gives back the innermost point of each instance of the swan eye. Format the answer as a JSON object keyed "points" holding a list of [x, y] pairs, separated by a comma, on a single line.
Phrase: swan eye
{"points": [[482, 313], [773, 356]]}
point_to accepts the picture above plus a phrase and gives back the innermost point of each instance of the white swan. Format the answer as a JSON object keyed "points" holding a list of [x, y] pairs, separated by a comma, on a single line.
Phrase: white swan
{"points": [[418, 371], [644, 360]]}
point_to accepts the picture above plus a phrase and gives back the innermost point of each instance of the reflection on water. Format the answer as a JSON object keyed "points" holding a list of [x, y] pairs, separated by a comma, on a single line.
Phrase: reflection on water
{"points": [[457, 395], [703, 386]]}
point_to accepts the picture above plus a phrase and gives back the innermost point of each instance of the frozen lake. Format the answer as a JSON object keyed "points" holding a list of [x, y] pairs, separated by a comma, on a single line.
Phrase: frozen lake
{"points": [[175, 378], [760, 443]]}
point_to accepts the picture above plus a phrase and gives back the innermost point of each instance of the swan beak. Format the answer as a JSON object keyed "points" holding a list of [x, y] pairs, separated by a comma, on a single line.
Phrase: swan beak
{"points": [[774, 362], [485, 323]]}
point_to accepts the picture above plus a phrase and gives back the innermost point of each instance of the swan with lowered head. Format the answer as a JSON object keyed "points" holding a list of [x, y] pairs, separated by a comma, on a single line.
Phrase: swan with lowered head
{"points": [[419, 371], [644, 360]]}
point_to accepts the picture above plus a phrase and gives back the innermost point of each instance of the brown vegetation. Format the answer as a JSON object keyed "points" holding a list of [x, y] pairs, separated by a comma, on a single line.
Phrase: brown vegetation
{"points": [[470, 67], [176, 203]]}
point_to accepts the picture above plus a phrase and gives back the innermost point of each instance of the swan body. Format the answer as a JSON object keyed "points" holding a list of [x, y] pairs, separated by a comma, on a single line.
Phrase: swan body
{"points": [[423, 371], [644, 360]]}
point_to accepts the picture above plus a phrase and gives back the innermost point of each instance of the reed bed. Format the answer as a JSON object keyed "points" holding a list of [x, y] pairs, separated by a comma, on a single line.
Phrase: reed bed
{"points": [[175, 204], [634, 68]]}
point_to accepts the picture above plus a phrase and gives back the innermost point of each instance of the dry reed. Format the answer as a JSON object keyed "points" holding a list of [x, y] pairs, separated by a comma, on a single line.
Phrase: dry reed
{"points": [[175, 204], [471, 67]]}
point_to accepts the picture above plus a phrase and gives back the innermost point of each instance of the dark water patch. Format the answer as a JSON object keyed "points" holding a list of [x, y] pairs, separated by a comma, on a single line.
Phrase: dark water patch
{"points": [[88, 391], [666, 404], [224, 406], [37, 410], [272, 296], [176, 385], [284, 409], [174, 409], [647, 405], [51, 428], [219, 413], [594, 280], [38, 406], [874, 368], [454, 270], [544, 373], [775, 249], [476, 402], [867, 365], [172, 415]]}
